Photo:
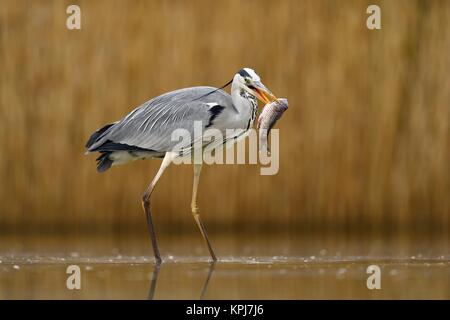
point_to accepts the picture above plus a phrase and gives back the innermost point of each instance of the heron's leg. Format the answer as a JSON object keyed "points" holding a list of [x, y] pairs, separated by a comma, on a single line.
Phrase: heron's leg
{"points": [[146, 203], [194, 208]]}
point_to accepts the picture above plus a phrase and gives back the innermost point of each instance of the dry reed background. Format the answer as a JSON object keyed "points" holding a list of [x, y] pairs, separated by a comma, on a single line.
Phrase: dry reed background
{"points": [[364, 146]]}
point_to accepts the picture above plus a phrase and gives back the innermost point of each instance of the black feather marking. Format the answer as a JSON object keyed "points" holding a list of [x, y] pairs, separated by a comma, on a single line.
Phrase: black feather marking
{"points": [[110, 146], [244, 73], [215, 111], [215, 90], [103, 162], [96, 135], [248, 124]]}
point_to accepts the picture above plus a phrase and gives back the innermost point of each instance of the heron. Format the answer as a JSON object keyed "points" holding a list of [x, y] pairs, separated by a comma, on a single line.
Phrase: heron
{"points": [[146, 131]]}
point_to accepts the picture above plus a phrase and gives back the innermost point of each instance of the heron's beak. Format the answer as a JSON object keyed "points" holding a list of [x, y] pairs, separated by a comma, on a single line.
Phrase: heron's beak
{"points": [[262, 93]]}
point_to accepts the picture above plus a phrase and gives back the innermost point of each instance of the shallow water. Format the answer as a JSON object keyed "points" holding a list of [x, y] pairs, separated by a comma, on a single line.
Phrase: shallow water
{"points": [[249, 267]]}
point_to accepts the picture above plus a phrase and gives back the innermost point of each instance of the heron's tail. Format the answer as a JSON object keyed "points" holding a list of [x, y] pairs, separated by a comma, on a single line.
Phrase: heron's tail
{"points": [[97, 135], [104, 162]]}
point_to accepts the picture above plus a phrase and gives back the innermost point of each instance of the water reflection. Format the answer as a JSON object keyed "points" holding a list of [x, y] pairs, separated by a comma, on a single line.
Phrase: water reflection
{"points": [[151, 292], [208, 278], [257, 268], [155, 274]]}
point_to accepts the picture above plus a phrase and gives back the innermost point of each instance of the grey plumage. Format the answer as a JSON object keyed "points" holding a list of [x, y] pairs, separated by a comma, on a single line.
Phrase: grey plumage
{"points": [[146, 131]]}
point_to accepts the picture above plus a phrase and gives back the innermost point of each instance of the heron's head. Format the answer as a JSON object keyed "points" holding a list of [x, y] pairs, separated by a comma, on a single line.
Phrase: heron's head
{"points": [[248, 80]]}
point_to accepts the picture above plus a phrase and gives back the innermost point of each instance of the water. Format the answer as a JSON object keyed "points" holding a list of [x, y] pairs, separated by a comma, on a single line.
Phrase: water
{"points": [[249, 267]]}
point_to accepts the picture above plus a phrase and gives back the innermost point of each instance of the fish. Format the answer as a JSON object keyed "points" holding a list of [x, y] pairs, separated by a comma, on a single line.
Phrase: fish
{"points": [[270, 114]]}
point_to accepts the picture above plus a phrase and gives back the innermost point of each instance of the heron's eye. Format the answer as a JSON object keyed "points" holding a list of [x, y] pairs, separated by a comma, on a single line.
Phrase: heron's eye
{"points": [[247, 81]]}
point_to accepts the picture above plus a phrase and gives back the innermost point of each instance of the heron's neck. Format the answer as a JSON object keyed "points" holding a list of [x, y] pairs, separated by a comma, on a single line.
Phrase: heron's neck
{"points": [[242, 100]]}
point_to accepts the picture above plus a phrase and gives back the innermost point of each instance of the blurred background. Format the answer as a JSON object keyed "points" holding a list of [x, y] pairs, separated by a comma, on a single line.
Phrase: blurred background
{"points": [[364, 146]]}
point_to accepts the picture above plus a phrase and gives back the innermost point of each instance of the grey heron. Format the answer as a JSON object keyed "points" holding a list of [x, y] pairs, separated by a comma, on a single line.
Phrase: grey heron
{"points": [[146, 131]]}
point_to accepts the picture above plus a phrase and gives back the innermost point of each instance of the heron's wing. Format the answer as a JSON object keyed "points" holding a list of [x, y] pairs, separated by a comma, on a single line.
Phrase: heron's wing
{"points": [[151, 125]]}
